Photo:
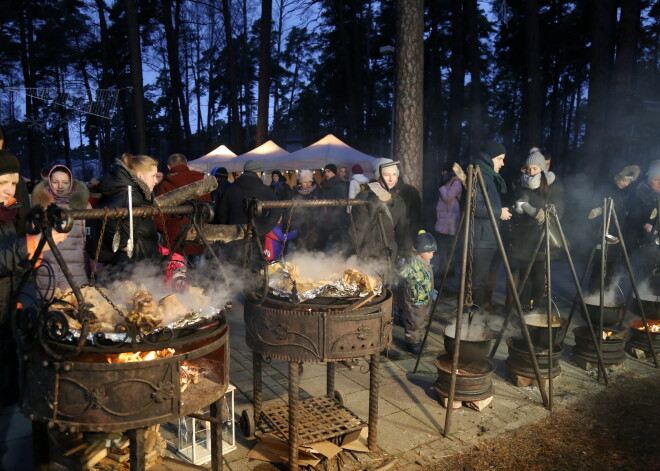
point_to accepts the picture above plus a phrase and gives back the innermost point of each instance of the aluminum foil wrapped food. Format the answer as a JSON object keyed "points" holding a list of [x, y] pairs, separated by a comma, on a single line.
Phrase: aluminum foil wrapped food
{"points": [[285, 280], [130, 301]]}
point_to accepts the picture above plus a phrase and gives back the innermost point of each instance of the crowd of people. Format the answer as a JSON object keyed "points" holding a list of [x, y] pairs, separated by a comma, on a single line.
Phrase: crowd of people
{"points": [[387, 227]]}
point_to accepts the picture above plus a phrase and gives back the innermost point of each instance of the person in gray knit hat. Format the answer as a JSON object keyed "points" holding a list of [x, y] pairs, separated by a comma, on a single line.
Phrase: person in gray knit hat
{"points": [[537, 189]]}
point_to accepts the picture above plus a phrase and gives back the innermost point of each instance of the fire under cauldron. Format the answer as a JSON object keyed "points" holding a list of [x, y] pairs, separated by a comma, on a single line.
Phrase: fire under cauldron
{"points": [[73, 381], [612, 346], [519, 362], [638, 338], [473, 379], [319, 330]]}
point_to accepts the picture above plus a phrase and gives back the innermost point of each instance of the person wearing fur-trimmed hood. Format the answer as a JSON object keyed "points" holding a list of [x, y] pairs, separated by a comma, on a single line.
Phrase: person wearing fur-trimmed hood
{"points": [[64, 191]]}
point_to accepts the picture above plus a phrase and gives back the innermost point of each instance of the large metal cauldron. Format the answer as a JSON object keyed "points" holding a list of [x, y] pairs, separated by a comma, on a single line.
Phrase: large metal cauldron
{"points": [[315, 332], [88, 394]]}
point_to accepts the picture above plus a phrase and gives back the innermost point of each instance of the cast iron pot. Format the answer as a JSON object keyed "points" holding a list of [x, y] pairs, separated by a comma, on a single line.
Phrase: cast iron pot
{"points": [[537, 324], [651, 308], [472, 348], [612, 313]]}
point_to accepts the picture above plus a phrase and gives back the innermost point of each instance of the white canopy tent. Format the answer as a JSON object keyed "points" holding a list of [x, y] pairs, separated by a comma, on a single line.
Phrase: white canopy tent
{"points": [[218, 157], [265, 153], [328, 150]]}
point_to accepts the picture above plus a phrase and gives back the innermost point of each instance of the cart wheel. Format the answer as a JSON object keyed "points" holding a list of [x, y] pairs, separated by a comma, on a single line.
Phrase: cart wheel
{"points": [[339, 397], [247, 423]]}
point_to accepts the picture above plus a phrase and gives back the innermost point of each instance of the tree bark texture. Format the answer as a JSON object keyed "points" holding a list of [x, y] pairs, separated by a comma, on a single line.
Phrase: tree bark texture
{"points": [[139, 141], [409, 96], [532, 122], [603, 18], [264, 72], [474, 53], [456, 82], [234, 117]]}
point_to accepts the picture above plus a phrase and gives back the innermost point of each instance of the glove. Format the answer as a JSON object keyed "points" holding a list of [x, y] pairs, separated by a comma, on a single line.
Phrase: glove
{"points": [[528, 209], [434, 294]]}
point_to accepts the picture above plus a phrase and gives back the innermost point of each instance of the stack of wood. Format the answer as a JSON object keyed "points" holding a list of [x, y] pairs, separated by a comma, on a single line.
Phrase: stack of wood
{"points": [[112, 451]]}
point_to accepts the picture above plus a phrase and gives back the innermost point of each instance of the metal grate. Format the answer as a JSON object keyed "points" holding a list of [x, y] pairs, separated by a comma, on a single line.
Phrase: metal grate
{"points": [[320, 418]]}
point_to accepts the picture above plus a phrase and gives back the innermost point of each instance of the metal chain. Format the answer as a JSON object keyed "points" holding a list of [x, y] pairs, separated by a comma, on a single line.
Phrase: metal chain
{"points": [[288, 226], [162, 221], [100, 242], [103, 295], [468, 269]]}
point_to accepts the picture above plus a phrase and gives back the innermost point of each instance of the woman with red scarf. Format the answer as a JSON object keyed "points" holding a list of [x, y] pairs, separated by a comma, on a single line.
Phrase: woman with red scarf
{"points": [[62, 190], [14, 258]]}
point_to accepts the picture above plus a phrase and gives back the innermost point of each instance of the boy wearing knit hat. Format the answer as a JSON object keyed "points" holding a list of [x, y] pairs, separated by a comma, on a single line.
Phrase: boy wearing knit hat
{"points": [[419, 294]]}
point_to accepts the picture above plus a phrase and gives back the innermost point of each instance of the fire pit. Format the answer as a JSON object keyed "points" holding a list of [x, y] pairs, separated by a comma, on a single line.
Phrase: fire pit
{"points": [[321, 330], [638, 339], [84, 373], [473, 379], [612, 347], [519, 363]]}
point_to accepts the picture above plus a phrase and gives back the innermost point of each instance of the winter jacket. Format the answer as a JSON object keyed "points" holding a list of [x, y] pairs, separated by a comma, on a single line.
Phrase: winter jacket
{"points": [[282, 190], [49, 274], [145, 233], [306, 220], [448, 209], [642, 204], [232, 205], [413, 202], [357, 184], [170, 226], [484, 236], [368, 219], [274, 243], [216, 196], [13, 262], [525, 230]]}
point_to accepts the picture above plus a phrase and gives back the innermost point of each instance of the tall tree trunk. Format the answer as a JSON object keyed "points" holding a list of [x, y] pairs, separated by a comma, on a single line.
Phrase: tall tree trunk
{"points": [[456, 82], [234, 117], [139, 141], [35, 156], [409, 99], [603, 18], [171, 19], [532, 132], [624, 68], [264, 71], [472, 18]]}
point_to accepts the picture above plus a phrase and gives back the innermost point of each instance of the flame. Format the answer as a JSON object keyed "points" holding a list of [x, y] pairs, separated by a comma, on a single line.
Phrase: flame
{"points": [[655, 328], [130, 357]]}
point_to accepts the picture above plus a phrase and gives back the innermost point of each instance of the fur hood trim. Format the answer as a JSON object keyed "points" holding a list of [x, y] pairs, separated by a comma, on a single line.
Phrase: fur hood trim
{"points": [[78, 199]]}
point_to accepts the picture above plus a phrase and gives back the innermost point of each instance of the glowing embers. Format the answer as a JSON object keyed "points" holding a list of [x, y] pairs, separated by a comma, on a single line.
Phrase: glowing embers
{"points": [[130, 357]]}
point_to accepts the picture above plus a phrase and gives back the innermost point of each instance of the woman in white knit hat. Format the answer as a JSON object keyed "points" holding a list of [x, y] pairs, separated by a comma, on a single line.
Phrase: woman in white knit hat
{"points": [[538, 188]]}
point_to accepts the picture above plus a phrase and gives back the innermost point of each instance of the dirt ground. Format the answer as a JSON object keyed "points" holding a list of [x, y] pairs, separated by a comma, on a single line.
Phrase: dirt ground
{"points": [[617, 429]]}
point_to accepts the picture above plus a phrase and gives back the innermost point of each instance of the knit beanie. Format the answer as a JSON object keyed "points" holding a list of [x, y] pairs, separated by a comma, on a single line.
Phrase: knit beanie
{"points": [[253, 166], [424, 242], [8, 163], [220, 172], [535, 158], [493, 148], [332, 168], [653, 171], [357, 169], [305, 176]]}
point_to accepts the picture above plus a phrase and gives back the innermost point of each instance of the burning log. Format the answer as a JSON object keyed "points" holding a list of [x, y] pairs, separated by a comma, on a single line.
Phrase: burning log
{"points": [[188, 192]]}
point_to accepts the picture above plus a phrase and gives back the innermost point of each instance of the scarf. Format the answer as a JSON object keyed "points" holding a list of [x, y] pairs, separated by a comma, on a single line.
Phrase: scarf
{"points": [[534, 182], [8, 213], [57, 199], [490, 171], [306, 191]]}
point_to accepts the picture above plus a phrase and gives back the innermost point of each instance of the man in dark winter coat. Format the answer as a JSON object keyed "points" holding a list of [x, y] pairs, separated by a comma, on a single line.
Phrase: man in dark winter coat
{"points": [[413, 202], [248, 186], [490, 160], [179, 175], [14, 255], [222, 176], [334, 218]]}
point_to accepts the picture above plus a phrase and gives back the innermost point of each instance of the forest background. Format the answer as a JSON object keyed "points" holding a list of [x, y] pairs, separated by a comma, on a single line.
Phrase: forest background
{"points": [[85, 80]]}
